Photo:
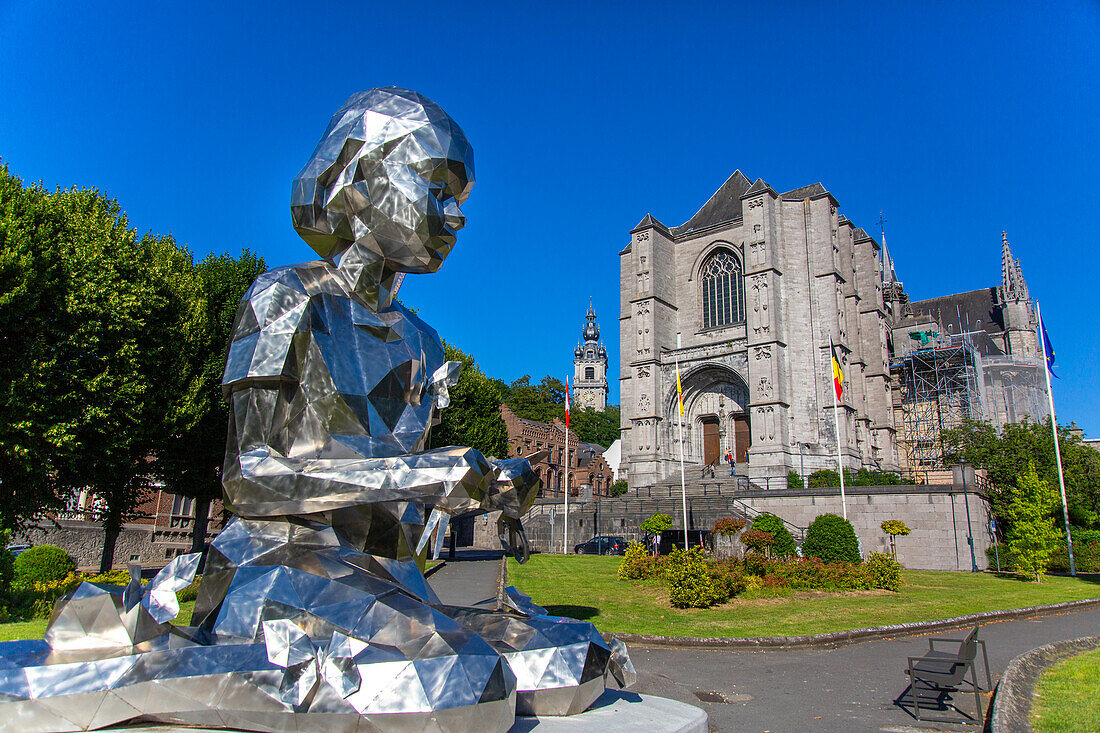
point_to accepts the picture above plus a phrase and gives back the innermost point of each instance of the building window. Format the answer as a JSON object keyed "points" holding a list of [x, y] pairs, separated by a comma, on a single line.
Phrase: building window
{"points": [[723, 290], [590, 372]]}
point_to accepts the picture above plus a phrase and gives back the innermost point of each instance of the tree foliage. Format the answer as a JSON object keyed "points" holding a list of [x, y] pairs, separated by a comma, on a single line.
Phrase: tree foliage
{"points": [[109, 321], [656, 524], [783, 542], [1032, 535], [1008, 454], [190, 461], [545, 401], [473, 418]]}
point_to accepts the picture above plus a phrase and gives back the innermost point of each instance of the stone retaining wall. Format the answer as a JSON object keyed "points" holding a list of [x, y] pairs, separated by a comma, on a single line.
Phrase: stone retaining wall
{"points": [[937, 516]]}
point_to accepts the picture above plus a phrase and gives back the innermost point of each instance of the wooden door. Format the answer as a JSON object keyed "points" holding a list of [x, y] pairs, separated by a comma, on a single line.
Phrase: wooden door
{"points": [[710, 440], [742, 437]]}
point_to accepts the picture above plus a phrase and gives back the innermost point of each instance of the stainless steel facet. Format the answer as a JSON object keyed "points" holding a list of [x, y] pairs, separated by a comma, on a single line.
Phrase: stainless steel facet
{"points": [[313, 611]]}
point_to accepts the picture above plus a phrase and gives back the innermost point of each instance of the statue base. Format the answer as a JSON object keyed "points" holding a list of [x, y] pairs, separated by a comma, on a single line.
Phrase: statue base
{"points": [[619, 710]]}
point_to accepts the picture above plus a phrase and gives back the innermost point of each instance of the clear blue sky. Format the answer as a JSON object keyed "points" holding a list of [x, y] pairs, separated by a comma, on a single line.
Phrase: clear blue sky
{"points": [[957, 119]]}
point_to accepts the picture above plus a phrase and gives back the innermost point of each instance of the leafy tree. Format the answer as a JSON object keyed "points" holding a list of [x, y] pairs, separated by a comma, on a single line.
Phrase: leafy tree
{"points": [[596, 426], [794, 480], [33, 324], [657, 524], [190, 461], [894, 527], [1007, 455], [620, 487], [1032, 534], [473, 419], [542, 402], [102, 325]]}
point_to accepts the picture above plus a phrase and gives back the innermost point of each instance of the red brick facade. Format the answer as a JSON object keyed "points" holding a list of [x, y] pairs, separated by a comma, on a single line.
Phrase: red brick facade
{"points": [[587, 467]]}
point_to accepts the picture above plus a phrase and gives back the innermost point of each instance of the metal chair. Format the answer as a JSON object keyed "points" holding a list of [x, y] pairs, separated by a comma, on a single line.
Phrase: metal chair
{"points": [[940, 673]]}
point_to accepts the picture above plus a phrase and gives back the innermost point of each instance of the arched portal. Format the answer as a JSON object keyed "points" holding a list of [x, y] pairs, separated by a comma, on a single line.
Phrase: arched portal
{"points": [[716, 415]]}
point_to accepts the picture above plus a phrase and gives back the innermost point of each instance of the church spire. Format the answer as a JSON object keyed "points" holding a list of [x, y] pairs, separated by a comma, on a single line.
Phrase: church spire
{"points": [[1013, 286]]}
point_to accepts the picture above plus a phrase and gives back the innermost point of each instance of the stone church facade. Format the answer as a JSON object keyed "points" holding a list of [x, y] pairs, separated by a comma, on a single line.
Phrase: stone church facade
{"points": [[746, 297]]}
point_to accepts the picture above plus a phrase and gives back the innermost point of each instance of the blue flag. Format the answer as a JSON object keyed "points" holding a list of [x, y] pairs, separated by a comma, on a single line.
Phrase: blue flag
{"points": [[1048, 348]]}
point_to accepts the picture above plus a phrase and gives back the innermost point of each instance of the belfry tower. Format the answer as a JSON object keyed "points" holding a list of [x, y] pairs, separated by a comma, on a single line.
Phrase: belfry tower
{"points": [[590, 366]]}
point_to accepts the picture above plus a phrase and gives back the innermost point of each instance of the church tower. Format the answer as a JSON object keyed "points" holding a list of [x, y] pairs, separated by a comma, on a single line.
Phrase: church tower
{"points": [[1020, 321], [590, 367]]}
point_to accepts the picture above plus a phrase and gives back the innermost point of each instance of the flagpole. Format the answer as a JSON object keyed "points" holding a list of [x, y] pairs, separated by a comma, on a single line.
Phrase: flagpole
{"points": [[836, 421], [565, 534], [1054, 431], [683, 481]]}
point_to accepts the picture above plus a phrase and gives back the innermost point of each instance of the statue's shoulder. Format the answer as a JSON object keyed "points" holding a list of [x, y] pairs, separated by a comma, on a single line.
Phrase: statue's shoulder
{"points": [[272, 310]]}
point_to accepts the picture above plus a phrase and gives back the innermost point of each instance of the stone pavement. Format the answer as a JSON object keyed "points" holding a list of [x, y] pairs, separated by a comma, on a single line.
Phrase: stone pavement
{"points": [[468, 580], [851, 688]]}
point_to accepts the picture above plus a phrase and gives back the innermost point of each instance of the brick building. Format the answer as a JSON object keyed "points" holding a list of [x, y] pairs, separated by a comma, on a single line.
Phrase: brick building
{"points": [[160, 530], [544, 445]]}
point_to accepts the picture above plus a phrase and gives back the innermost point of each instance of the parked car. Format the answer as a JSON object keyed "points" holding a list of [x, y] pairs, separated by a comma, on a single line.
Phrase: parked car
{"points": [[674, 538], [16, 550], [602, 545]]}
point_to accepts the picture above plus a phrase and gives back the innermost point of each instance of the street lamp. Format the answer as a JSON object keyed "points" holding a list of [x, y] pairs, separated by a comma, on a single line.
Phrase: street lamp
{"points": [[962, 472]]}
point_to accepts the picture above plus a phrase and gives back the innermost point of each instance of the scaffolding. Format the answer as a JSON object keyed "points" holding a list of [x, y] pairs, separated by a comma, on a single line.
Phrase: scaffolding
{"points": [[940, 385]]}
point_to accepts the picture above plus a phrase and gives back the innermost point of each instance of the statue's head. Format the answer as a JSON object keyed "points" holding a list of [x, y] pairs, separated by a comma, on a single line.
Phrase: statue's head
{"points": [[388, 175]]}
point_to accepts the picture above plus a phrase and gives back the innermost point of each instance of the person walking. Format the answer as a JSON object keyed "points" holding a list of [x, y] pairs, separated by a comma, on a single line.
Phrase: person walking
{"points": [[729, 459]]}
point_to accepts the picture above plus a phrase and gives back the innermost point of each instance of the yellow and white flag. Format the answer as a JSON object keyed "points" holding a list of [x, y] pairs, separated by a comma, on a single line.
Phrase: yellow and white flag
{"points": [[679, 392]]}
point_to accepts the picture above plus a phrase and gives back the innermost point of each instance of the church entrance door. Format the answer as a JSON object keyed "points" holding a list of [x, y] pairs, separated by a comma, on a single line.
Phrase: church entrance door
{"points": [[742, 437], [710, 440]]}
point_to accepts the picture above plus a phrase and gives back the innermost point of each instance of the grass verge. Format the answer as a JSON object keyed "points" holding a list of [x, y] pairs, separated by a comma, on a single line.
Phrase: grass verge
{"points": [[36, 629], [1067, 696], [586, 587]]}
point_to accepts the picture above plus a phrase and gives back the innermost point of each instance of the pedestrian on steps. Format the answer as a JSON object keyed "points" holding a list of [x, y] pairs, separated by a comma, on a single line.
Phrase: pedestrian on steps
{"points": [[729, 459]]}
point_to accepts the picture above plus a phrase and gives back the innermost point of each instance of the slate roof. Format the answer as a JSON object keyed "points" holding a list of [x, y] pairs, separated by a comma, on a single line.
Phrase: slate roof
{"points": [[805, 192], [975, 310], [723, 206]]}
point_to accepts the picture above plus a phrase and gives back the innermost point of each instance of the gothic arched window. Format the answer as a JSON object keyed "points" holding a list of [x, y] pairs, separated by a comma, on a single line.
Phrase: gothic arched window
{"points": [[723, 290]]}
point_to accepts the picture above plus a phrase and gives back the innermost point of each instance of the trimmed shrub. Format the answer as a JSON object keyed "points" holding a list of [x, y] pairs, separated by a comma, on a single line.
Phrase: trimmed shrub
{"points": [[823, 478], [883, 571], [636, 564], [7, 572], [691, 584], [794, 480], [755, 564], [757, 540], [831, 539], [730, 525], [42, 564], [783, 545]]}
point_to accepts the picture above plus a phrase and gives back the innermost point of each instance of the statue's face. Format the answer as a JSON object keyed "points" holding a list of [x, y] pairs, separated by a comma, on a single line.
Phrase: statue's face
{"points": [[388, 176]]}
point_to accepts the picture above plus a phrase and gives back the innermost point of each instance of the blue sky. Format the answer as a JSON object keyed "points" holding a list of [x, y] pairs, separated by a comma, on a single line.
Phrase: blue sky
{"points": [[959, 120]]}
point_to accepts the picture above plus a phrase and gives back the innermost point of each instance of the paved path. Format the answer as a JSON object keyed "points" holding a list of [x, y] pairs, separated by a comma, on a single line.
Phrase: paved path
{"points": [[851, 688], [470, 579]]}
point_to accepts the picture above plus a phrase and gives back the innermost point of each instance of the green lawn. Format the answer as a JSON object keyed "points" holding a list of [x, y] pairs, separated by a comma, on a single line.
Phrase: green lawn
{"points": [[586, 587], [36, 629], [1067, 697]]}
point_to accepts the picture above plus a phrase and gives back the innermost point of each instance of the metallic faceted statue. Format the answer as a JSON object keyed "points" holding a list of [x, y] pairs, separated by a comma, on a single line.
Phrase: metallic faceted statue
{"points": [[313, 611]]}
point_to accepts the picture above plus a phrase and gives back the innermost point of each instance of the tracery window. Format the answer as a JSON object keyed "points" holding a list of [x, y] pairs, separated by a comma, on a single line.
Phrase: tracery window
{"points": [[723, 290]]}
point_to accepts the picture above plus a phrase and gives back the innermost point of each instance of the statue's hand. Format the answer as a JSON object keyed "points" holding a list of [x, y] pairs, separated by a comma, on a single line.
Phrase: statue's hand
{"points": [[441, 382]]}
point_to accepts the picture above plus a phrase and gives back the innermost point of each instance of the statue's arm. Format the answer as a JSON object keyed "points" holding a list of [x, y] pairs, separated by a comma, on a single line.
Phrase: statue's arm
{"points": [[266, 473]]}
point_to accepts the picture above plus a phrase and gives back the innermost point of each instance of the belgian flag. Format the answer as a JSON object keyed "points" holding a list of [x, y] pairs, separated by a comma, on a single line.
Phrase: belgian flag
{"points": [[838, 373]]}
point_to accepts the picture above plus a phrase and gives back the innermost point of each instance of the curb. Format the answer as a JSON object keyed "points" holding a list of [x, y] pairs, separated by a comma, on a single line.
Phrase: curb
{"points": [[852, 636], [1012, 701]]}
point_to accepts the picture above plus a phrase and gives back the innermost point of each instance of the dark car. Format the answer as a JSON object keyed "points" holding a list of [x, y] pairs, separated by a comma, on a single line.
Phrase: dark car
{"points": [[602, 545], [674, 538], [17, 550]]}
